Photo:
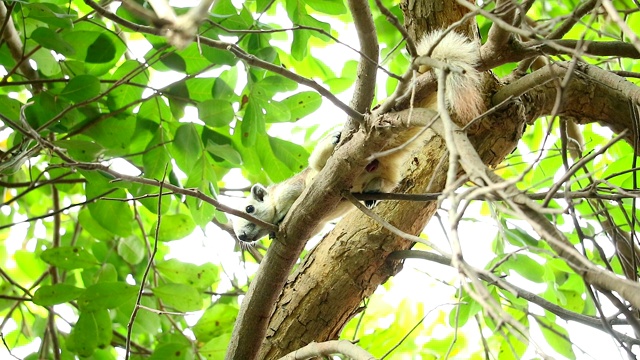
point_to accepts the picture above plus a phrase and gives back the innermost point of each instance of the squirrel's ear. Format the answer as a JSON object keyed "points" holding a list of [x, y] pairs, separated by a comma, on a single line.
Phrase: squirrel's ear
{"points": [[258, 192]]}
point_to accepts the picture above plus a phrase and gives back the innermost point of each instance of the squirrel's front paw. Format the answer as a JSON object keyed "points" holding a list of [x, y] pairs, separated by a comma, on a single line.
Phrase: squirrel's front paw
{"points": [[370, 203]]}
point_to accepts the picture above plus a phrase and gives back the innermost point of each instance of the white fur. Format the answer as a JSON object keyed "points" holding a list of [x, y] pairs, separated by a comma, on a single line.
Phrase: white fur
{"points": [[462, 93], [463, 98]]}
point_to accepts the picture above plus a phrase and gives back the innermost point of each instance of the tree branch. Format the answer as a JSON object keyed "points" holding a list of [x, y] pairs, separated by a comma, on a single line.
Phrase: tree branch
{"points": [[592, 95], [366, 73], [240, 53], [519, 292], [11, 37]]}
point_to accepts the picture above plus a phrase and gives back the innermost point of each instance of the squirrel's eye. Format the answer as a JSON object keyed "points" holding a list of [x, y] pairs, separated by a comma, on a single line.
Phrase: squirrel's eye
{"points": [[249, 209]]}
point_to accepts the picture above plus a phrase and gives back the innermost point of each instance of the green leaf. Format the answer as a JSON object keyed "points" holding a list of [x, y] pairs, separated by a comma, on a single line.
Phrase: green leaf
{"points": [[226, 152], [221, 88], [294, 156], [30, 263], [509, 344], [187, 147], [519, 237], [93, 227], [52, 40], [81, 150], [114, 134], [97, 50], [92, 331], [300, 45], [126, 93], [527, 267], [200, 89], [69, 257], [131, 249], [193, 58], [150, 202], [172, 351], [175, 227], [83, 338], [216, 113], [48, 295], [275, 169], [106, 273], [216, 348], [104, 330], [106, 295], [218, 56], [467, 308], [556, 336], [267, 87], [102, 50], [338, 85], [156, 159], [275, 112], [302, 104], [198, 276], [252, 123], [147, 322], [49, 14], [179, 296], [81, 88], [204, 179], [10, 108], [114, 215], [215, 321], [331, 7], [170, 61]]}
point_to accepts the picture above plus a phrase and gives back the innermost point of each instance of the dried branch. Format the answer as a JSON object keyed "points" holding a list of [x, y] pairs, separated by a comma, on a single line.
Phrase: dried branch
{"points": [[523, 206]]}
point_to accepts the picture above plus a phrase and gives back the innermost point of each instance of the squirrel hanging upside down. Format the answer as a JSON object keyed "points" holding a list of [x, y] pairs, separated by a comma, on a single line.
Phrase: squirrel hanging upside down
{"points": [[271, 204]]}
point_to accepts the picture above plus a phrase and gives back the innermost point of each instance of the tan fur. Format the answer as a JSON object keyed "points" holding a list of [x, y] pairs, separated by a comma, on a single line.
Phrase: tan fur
{"points": [[462, 97]]}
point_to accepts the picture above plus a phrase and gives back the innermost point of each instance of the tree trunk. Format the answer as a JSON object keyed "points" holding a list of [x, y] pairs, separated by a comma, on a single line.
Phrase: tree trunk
{"points": [[327, 289]]}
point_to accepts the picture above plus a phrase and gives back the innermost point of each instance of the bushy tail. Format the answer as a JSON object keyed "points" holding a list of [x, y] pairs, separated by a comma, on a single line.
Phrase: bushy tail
{"points": [[462, 90]]}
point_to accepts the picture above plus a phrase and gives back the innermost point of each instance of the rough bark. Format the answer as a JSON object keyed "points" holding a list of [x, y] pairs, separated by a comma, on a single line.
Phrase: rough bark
{"points": [[350, 262], [347, 266], [320, 297]]}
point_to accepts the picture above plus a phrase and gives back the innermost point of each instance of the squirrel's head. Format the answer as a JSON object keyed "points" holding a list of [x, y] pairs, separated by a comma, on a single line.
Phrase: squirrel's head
{"points": [[258, 204]]}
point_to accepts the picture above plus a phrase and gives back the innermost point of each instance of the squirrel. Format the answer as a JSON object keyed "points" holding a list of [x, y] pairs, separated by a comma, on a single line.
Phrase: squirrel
{"points": [[271, 204]]}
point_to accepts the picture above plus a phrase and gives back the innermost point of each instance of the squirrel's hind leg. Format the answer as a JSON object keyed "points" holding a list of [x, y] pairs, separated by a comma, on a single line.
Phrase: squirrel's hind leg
{"points": [[323, 150]]}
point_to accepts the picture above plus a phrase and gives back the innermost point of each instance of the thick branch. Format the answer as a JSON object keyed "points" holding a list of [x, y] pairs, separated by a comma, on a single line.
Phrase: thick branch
{"points": [[499, 37], [592, 95], [515, 51], [349, 264], [365, 85], [299, 225]]}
